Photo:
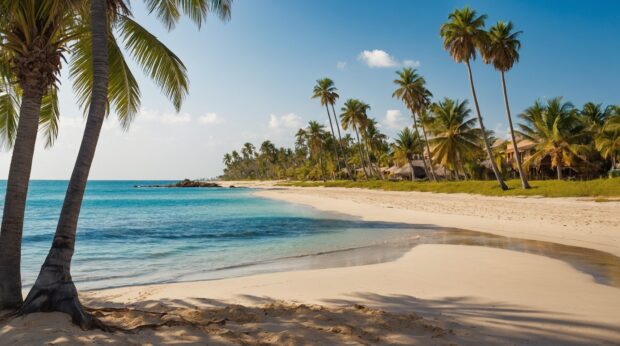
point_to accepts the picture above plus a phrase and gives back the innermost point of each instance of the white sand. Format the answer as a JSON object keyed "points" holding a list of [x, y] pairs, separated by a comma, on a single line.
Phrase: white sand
{"points": [[465, 294]]}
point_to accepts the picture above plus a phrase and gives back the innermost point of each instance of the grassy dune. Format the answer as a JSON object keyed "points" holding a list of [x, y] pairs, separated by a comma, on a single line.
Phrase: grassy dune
{"points": [[601, 189]]}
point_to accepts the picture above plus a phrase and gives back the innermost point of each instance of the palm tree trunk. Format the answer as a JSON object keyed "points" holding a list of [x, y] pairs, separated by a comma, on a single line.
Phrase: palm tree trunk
{"points": [[359, 147], [372, 169], [54, 289], [344, 153], [524, 183], [430, 156], [500, 181], [412, 170], [559, 169], [415, 126], [15, 200], [334, 136]]}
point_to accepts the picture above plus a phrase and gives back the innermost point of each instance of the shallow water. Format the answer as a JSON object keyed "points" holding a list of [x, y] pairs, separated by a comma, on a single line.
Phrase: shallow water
{"points": [[132, 236]]}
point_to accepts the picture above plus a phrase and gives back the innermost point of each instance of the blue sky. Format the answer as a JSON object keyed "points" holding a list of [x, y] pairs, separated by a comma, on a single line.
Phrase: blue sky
{"points": [[251, 78]]}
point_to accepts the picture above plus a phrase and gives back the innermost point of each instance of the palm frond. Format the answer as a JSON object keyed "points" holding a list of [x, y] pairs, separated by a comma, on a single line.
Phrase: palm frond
{"points": [[156, 60]]}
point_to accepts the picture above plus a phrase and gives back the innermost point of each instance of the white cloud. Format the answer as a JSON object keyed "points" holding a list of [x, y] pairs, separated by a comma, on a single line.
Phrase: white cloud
{"points": [[210, 118], [411, 63], [394, 119], [378, 58], [287, 121], [341, 65], [164, 118], [381, 59]]}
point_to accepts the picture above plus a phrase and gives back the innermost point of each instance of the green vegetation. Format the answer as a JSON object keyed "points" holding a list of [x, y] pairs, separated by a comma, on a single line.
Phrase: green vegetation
{"points": [[546, 188]]}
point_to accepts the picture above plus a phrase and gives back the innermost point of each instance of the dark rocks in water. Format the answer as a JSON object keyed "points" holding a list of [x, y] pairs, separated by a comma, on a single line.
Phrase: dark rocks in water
{"points": [[186, 183]]}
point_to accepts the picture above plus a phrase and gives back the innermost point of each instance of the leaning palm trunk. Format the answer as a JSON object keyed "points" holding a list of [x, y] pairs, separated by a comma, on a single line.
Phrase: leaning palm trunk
{"points": [[415, 126], [15, 200], [359, 147], [54, 289], [334, 136], [430, 155], [524, 182], [498, 177], [344, 153]]}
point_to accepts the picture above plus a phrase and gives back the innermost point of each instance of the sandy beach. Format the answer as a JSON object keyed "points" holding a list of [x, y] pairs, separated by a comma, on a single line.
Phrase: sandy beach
{"points": [[433, 294]]}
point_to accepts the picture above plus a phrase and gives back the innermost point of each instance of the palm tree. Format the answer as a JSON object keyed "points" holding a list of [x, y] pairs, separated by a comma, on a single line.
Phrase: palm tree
{"points": [[326, 92], [33, 35], [412, 91], [502, 50], [608, 139], [405, 147], [555, 129], [315, 136], [354, 115], [373, 139], [454, 136], [54, 289], [462, 35]]}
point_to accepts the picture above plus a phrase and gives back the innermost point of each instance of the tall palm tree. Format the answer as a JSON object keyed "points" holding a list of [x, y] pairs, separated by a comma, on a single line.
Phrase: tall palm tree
{"points": [[54, 289], [555, 129], [454, 136], [412, 91], [462, 35], [405, 147], [502, 50], [354, 115], [33, 36], [326, 92]]}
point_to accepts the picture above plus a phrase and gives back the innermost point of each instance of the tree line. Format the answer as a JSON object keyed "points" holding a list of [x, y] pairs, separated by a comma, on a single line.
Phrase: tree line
{"points": [[444, 134]]}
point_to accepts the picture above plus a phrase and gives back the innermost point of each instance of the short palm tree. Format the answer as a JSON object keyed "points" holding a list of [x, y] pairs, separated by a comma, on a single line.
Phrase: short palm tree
{"points": [[315, 137], [54, 289], [462, 35], [411, 89], [502, 51], [354, 115], [405, 147], [607, 141], [373, 138], [454, 136], [327, 93], [555, 129]]}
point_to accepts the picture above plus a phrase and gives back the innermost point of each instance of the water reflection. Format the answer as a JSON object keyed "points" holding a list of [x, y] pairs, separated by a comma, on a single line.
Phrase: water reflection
{"points": [[604, 267]]}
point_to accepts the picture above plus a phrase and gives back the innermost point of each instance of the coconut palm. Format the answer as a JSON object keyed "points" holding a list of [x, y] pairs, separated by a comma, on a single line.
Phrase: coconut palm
{"points": [[405, 147], [54, 289], [502, 51], [555, 129], [608, 139], [315, 137], [354, 115], [412, 91], [454, 136], [34, 35], [373, 139], [463, 34], [327, 93]]}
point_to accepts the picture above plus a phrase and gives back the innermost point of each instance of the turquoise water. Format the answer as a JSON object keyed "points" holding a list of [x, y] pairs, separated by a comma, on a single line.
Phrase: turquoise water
{"points": [[130, 236]]}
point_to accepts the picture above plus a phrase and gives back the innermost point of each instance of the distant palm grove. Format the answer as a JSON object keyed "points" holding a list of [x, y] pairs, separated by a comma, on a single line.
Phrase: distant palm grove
{"points": [[447, 141]]}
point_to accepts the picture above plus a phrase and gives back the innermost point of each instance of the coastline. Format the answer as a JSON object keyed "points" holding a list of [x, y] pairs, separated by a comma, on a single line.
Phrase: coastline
{"points": [[569, 221], [433, 294]]}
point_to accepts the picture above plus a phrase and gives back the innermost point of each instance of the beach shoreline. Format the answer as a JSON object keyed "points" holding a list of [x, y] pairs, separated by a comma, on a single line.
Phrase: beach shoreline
{"points": [[578, 222], [431, 294]]}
